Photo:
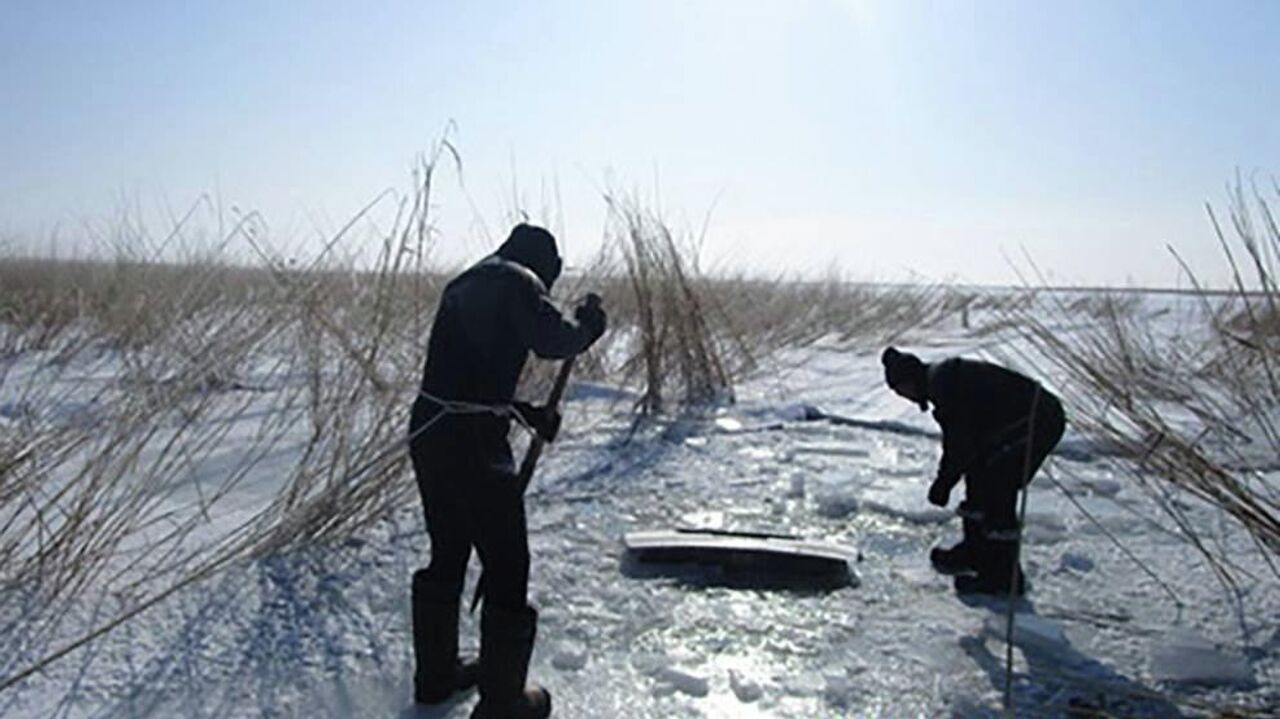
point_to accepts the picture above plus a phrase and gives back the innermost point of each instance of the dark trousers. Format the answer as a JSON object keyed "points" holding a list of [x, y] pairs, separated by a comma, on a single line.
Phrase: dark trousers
{"points": [[991, 487], [472, 498]]}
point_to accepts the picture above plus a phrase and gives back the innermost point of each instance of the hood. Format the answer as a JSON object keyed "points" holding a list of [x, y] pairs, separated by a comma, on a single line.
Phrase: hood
{"points": [[534, 248]]}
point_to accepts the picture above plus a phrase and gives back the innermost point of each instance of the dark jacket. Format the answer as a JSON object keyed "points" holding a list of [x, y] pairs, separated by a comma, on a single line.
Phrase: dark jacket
{"points": [[981, 407], [490, 317]]}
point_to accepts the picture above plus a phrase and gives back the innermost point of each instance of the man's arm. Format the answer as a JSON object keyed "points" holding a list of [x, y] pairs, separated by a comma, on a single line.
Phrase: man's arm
{"points": [[957, 452], [955, 417], [552, 335]]}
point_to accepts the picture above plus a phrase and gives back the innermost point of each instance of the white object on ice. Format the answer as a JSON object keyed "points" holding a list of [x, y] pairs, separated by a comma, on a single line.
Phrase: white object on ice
{"points": [[729, 425], [758, 552], [1187, 657]]}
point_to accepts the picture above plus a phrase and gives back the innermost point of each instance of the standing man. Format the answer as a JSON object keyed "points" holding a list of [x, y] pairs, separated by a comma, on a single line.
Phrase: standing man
{"points": [[489, 318], [997, 428]]}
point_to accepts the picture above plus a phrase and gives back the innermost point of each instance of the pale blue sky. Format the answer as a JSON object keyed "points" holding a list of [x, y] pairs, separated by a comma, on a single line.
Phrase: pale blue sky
{"points": [[886, 137]]}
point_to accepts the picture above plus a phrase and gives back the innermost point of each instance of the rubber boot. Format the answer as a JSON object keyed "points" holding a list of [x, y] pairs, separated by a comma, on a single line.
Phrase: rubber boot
{"points": [[506, 643], [439, 673], [997, 568], [963, 558]]}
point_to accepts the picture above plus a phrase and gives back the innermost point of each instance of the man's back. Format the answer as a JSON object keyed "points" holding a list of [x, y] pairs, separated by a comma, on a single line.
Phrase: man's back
{"points": [[490, 318], [476, 351], [983, 396]]}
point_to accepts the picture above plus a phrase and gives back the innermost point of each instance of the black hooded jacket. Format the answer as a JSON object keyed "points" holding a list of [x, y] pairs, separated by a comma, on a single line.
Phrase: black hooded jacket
{"points": [[492, 315], [981, 407]]}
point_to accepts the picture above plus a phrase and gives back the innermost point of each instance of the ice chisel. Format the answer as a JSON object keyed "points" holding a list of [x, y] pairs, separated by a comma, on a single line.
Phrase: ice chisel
{"points": [[531, 456]]}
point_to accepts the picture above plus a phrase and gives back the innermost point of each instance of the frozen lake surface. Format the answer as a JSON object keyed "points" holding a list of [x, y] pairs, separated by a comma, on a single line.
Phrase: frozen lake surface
{"points": [[323, 631]]}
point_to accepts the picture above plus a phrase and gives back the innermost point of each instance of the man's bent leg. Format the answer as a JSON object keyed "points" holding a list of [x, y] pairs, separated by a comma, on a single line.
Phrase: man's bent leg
{"points": [[994, 489]]}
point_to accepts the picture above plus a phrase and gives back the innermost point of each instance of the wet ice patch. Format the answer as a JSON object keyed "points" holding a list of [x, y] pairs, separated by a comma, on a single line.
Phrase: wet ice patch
{"points": [[1030, 632], [1186, 657]]}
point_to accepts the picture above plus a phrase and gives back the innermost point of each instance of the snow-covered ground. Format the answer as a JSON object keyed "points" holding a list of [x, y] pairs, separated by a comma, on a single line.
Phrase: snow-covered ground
{"points": [[323, 631]]}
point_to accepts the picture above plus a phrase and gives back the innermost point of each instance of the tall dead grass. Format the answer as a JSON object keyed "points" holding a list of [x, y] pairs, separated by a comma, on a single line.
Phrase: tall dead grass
{"points": [[682, 337], [1199, 411], [144, 393], [663, 302]]}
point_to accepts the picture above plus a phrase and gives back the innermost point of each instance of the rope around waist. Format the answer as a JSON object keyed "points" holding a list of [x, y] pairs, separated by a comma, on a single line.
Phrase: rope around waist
{"points": [[448, 407]]}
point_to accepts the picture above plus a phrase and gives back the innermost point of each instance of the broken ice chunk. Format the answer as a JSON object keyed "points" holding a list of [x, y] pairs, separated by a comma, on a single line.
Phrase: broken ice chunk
{"points": [[683, 681], [744, 687], [569, 657]]}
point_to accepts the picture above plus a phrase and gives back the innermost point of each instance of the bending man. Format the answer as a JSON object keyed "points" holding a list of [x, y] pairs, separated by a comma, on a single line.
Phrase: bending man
{"points": [[997, 428]]}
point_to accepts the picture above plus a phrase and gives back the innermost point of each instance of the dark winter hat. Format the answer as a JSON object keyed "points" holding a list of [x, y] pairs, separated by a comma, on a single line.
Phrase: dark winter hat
{"points": [[900, 367], [535, 248]]}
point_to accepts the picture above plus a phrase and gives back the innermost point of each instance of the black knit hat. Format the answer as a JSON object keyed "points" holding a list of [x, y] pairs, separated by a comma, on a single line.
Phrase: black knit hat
{"points": [[901, 367]]}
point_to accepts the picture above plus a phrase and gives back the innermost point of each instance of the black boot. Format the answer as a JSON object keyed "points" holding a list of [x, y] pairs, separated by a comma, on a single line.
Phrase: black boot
{"points": [[963, 558], [439, 672], [998, 570], [506, 643]]}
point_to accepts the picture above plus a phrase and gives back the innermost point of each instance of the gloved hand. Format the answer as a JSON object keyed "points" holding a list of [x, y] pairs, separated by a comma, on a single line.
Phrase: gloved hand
{"points": [[590, 315], [939, 493], [545, 421]]}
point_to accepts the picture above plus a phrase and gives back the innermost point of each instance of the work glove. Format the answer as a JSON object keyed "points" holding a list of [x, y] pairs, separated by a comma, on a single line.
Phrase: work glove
{"points": [[545, 421], [939, 493], [591, 317]]}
